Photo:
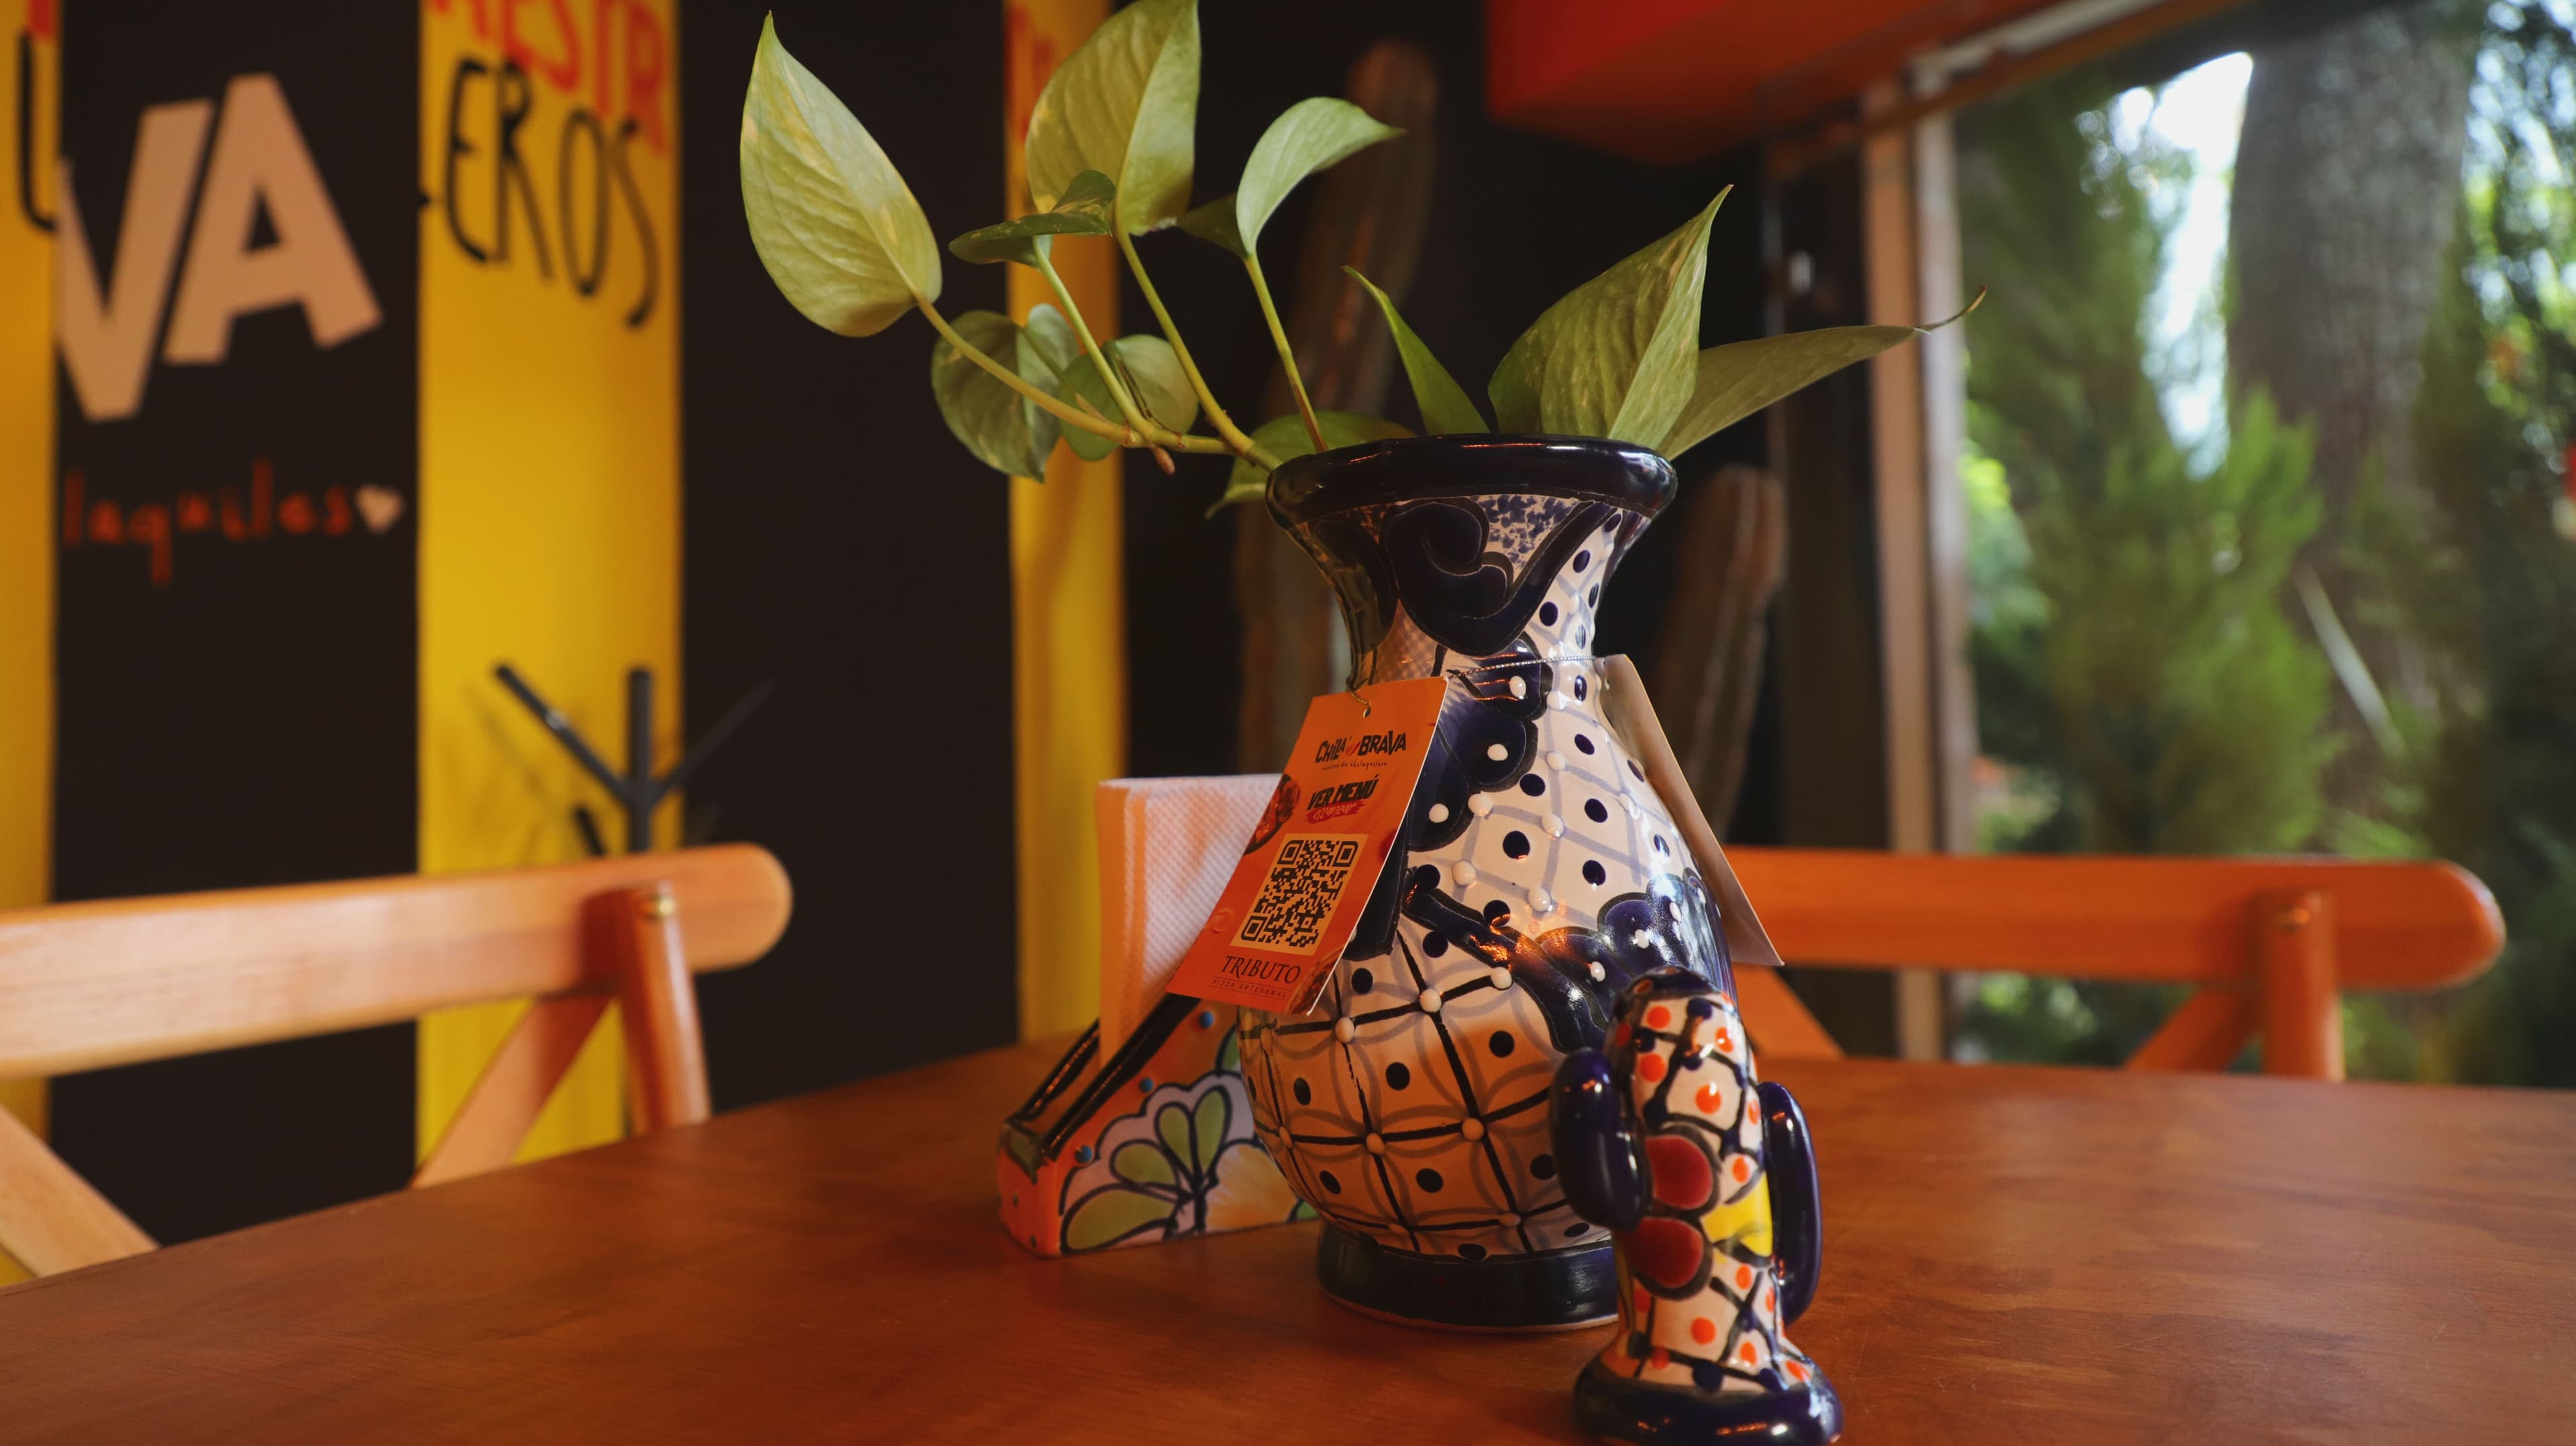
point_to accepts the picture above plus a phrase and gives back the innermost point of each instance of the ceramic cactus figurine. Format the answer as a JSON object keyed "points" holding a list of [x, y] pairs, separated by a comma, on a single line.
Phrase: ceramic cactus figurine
{"points": [[1708, 1184]]}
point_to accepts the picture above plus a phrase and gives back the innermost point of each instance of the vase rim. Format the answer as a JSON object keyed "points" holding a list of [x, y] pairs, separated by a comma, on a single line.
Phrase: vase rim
{"points": [[1478, 464]]}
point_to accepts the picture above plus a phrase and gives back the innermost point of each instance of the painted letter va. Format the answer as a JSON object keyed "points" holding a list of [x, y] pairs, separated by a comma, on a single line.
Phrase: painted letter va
{"points": [[258, 160]]}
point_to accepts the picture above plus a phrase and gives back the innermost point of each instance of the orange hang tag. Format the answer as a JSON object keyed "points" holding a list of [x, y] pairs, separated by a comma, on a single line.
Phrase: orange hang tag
{"points": [[1303, 881]]}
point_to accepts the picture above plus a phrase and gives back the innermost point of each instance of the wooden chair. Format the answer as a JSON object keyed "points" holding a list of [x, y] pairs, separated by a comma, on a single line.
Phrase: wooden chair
{"points": [[120, 981], [2271, 943]]}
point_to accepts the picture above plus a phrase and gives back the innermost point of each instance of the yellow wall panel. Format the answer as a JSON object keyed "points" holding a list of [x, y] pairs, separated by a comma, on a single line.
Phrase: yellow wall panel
{"points": [[26, 467], [549, 437], [1068, 602], [26, 532]]}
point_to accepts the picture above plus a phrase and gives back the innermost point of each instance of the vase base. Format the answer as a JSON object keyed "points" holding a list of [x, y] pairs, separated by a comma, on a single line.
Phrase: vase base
{"points": [[1560, 1290], [1635, 1413], [1467, 1330]]}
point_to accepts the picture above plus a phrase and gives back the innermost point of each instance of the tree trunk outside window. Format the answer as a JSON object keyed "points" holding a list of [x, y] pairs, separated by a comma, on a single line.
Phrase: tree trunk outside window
{"points": [[2340, 223]]}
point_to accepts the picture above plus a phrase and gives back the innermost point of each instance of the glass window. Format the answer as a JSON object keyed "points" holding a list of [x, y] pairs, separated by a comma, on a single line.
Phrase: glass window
{"points": [[2273, 542]]}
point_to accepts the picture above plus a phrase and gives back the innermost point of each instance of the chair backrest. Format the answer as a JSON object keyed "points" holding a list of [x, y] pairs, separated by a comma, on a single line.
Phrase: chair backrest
{"points": [[2271, 942], [83, 986]]}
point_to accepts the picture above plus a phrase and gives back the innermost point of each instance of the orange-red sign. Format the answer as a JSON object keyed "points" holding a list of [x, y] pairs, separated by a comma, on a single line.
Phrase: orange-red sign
{"points": [[1297, 893]]}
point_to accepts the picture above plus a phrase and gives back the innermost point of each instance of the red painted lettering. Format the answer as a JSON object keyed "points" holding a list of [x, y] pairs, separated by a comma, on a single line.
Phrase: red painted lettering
{"points": [[1034, 57], [563, 72], [601, 77], [156, 527], [648, 64], [149, 526], [482, 17]]}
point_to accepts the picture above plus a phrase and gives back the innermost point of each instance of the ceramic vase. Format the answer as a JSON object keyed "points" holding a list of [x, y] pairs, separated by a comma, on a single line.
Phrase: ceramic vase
{"points": [[1536, 876]]}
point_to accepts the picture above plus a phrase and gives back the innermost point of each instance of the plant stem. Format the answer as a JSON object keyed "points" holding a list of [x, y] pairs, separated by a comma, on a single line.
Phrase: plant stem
{"points": [[1070, 415], [1225, 427], [1150, 435], [1287, 358], [1090, 345]]}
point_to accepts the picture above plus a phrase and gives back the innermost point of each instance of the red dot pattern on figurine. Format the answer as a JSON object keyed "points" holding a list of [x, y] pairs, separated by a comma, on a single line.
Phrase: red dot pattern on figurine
{"points": [[1703, 1308]]}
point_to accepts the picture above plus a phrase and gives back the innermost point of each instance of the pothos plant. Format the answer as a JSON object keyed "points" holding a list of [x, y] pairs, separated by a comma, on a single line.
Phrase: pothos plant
{"points": [[1110, 152]]}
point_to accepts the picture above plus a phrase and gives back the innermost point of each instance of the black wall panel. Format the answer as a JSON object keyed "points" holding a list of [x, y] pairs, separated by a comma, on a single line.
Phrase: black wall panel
{"points": [[841, 542], [236, 620]]}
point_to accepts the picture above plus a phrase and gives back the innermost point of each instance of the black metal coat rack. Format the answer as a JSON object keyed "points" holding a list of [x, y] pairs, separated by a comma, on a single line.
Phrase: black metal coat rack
{"points": [[637, 791]]}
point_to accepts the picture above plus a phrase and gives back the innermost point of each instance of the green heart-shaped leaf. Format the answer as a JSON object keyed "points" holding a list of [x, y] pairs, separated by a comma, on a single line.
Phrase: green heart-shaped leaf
{"points": [[1736, 380], [1172, 1124], [1310, 136], [1285, 437], [1053, 336], [1114, 1213], [1215, 222], [1208, 1120], [1005, 430], [1446, 407], [1082, 385], [1054, 340], [1150, 371], [1083, 210], [1155, 379], [1614, 357], [833, 221], [1124, 104]]}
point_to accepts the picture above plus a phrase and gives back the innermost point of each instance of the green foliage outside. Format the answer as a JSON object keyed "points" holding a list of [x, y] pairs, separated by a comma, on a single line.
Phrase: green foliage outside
{"points": [[2489, 582], [2138, 670], [2146, 681]]}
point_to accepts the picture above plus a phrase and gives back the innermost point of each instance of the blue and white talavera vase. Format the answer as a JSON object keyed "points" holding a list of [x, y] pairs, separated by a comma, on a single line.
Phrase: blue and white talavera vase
{"points": [[1537, 875]]}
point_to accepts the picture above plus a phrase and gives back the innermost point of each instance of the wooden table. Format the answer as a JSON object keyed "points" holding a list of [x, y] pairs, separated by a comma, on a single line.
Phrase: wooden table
{"points": [[2011, 1255]]}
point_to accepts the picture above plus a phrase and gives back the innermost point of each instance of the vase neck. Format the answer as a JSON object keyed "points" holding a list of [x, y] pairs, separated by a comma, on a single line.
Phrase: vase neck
{"points": [[1443, 583], [1561, 625]]}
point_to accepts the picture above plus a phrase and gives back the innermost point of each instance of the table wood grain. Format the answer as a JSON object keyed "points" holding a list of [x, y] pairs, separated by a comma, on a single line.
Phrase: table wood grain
{"points": [[2011, 1255]]}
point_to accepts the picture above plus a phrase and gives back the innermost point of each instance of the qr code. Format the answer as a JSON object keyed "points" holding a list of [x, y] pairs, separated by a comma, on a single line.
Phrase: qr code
{"points": [[1305, 882]]}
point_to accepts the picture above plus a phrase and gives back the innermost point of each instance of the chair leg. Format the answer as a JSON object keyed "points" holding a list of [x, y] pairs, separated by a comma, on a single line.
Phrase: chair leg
{"points": [[50, 1218], [2207, 1032], [486, 1130], [2302, 1008], [638, 934], [1780, 1025]]}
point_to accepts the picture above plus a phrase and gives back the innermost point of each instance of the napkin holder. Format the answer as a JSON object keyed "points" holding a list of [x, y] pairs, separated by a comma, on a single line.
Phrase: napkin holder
{"points": [[1142, 1132]]}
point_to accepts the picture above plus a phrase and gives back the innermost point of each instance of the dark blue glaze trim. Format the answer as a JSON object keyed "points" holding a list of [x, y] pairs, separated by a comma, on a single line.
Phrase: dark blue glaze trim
{"points": [[1600, 1153], [1621, 1409], [1526, 1292], [1408, 469], [1463, 596], [1797, 1212]]}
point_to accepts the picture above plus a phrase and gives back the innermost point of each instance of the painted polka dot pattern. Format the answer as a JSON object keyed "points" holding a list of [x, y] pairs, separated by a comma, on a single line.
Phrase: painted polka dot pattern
{"points": [[1547, 847]]}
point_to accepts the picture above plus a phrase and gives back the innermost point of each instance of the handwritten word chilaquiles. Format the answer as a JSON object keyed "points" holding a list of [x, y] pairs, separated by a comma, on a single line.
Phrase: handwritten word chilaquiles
{"points": [[225, 514]]}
